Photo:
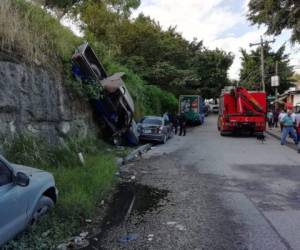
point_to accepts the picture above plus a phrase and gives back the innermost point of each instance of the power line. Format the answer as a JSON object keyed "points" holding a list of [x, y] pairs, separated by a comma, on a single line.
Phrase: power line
{"points": [[261, 44]]}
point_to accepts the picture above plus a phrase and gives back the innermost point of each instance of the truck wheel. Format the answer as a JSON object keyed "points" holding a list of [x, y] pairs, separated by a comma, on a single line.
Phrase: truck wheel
{"points": [[222, 133], [42, 208]]}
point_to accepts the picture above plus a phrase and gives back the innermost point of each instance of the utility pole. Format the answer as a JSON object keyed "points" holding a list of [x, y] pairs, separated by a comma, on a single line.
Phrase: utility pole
{"points": [[276, 73], [262, 59]]}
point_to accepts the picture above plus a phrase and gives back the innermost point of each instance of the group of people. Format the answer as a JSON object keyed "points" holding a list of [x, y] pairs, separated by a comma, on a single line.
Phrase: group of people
{"points": [[179, 120], [289, 124]]}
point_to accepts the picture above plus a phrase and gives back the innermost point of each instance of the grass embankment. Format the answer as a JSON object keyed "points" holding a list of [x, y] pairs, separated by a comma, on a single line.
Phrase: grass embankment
{"points": [[81, 188]]}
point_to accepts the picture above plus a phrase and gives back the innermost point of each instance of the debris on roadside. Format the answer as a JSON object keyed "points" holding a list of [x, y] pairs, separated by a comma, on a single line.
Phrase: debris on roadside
{"points": [[176, 225], [128, 237], [180, 227], [171, 223], [137, 153], [45, 234], [83, 234], [150, 237], [76, 242], [81, 158]]}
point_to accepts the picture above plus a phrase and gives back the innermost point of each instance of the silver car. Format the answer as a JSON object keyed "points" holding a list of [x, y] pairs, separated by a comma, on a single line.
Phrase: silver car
{"points": [[26, 194], [155, 128]]}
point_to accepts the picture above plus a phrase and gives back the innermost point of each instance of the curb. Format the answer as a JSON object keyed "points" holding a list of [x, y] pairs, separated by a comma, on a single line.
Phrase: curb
{"points": [[290, 145], [273, 135], [136, 153]]}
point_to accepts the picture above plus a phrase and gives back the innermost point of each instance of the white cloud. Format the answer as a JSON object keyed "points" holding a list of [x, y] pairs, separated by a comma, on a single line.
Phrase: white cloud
{"points": [[234, 44], [72, 24], [193, 18]]}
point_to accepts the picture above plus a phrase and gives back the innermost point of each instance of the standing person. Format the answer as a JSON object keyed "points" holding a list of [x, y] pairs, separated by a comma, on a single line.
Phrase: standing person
{"points": [[281, 115], [297, 126], [270, 119], [288, 128], [182, 124], [275, 118], [175, 123], [293, 115]]}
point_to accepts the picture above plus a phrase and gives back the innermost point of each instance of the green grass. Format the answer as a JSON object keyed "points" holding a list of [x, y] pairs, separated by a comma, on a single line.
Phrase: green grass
{"points": [[81, 187]]}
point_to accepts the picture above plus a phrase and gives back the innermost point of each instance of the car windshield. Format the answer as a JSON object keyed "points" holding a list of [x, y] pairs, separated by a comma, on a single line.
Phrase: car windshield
{"points": [[152, 121]]}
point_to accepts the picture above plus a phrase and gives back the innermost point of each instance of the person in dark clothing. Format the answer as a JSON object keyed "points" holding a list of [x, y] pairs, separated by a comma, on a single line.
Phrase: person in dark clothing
{"points": [[182, 124], [275, 118], [175, 123]]}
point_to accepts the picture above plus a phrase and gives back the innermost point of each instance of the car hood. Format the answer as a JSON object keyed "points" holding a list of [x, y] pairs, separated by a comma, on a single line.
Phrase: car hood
{"points": [[26, 170]]}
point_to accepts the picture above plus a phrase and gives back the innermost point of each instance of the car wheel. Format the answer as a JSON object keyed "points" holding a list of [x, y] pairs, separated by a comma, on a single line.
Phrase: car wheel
{"points": [[43, 206], [164, 140]]}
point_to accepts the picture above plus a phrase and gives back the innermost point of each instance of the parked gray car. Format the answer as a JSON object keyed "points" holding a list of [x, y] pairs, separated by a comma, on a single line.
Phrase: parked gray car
{"points": [[26, 194], [155, 128]]}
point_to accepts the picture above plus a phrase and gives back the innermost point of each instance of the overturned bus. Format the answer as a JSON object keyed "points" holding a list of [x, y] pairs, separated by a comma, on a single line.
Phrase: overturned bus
{"points": [[115, 107]]}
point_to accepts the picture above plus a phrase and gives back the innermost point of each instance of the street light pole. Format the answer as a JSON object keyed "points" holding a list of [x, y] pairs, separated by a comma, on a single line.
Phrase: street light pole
{"points": [[262, 64], [276, 73], [262, 59]]}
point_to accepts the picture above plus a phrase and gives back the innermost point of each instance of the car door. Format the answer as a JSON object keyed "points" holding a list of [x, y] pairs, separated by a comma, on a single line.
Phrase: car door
{"points": [[12, 208]]}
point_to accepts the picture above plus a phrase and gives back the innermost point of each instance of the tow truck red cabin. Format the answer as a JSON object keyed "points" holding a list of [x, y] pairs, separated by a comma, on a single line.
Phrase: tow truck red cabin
{"points": [[242, 110]]}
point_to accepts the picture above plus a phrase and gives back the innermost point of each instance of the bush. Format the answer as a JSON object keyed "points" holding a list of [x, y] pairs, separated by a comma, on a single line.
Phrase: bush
{"points": [[149, 99]]}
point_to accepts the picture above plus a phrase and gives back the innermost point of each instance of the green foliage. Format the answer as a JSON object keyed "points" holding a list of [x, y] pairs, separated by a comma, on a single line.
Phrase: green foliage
{"points": [[250, 73], [277, 16], [80, 187], [159, 101], [211, 72], [35, 34], [161, 58], [148, 99]]}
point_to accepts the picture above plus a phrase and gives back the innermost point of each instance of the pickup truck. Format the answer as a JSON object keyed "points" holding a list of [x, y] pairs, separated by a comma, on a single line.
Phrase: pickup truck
{"points": [[26, 195]]}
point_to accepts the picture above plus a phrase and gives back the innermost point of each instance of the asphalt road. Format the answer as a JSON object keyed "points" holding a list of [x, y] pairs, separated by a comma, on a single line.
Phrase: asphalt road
{"points": [[213, 192]]}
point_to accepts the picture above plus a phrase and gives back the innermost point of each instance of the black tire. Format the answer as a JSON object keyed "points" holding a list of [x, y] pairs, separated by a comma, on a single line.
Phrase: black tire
{"points": [[42, 208], [222, 133]]}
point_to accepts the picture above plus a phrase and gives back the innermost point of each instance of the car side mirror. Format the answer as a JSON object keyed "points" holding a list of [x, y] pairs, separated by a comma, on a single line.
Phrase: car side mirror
{"points": [[21, 179]]}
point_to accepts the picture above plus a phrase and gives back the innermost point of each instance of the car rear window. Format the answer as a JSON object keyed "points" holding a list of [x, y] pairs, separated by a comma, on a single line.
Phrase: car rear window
{"points": [[153, 121]]}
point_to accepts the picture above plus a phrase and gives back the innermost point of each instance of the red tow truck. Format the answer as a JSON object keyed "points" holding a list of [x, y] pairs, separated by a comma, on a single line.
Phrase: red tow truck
{"points": [[242, 110]]}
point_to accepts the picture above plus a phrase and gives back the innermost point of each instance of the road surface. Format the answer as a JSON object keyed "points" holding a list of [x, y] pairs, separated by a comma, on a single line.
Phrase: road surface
{"points": [[212, 192]]}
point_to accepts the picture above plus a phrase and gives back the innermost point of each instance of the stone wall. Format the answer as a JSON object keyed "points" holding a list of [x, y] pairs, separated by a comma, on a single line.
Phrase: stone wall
{"points": [[35, 100]]}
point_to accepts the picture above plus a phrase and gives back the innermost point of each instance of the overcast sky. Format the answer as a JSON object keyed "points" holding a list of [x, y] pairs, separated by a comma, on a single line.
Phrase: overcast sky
{"points": [[219, 23]]}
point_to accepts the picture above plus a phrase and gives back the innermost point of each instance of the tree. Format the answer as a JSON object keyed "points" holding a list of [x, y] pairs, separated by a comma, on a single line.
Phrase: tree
{"points": [[250, 74], [277, 15], [161, 57], [121, 7], [211, 67]]}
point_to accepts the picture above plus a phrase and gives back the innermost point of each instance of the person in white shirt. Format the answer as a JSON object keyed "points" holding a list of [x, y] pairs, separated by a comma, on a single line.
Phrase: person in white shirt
{"points": [[282, 114], [293, 115]]}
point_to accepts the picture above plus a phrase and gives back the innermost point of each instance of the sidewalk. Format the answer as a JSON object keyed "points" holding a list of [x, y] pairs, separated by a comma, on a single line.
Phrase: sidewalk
{"points": [[275, 132]]}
